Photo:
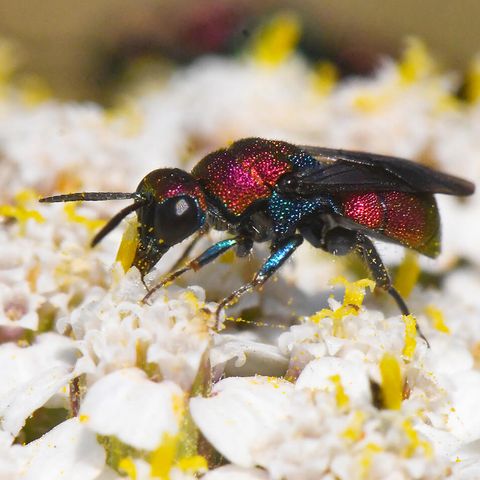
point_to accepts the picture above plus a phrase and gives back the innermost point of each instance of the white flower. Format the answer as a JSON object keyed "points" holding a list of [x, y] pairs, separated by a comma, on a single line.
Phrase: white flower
{"points": [[134, 409], [240, 414], [70, 450], [32, 375]]}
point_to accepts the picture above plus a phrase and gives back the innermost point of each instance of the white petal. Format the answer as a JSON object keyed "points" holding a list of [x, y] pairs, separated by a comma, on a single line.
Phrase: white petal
{"points": [[19, 403], [353, 376], [136, 410], [31, 376], [240, 413], [232, 472], [69, 451]]}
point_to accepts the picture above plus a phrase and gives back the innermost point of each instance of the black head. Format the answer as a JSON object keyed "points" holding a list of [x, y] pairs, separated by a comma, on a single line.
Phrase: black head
{"points": [[170, 206]]}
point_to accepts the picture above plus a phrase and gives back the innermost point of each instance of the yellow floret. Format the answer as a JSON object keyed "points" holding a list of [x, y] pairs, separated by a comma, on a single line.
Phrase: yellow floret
{"points": [[276, 40], [391, 386]]}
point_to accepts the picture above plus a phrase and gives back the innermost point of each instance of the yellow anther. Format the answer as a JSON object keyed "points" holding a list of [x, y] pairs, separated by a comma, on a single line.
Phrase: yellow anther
{"points": [[324, 77], [472, 84], [415, 442], [163, 457], [438, 318], [20, 211], [193, 464], [72, 215], [354, 291], [340, 396], [354, 431], [410, 336], [128, 245], [128, 466], [407, 274], [367, 458], [276, 40], [416, 62], [391, 386]]}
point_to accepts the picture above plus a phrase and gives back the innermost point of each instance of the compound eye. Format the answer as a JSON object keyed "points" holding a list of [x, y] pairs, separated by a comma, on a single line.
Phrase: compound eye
{"points": [[176, 219]]}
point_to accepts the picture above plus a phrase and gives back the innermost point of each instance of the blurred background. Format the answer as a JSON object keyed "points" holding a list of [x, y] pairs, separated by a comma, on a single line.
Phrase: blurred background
{"points": [[84, 50]]}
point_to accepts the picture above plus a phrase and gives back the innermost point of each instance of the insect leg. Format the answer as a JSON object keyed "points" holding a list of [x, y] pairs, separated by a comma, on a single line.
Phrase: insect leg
{"points": [[207, 256], [187, 251], [341, 241], [277, 258]]}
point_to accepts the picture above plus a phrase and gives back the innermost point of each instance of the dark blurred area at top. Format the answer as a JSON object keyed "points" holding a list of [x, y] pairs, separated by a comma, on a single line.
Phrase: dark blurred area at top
{"points": [[83, 49]]}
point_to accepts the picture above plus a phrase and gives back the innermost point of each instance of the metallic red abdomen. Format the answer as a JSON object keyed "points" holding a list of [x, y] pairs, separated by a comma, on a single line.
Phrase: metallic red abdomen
{"points": [[410, 219], [245, 172]]}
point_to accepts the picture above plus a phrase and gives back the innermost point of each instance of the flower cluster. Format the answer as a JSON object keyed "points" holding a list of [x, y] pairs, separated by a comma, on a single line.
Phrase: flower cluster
{"points": [[97, 385]]}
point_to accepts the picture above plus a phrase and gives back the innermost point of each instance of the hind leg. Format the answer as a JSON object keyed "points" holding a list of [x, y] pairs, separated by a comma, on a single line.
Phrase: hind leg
{"points": [[341, 241]]}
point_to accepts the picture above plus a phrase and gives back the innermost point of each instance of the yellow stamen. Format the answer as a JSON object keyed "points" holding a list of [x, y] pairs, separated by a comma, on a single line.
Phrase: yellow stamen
{"points": [[128, 466], [276, 41], [438, 318], [407, 274], [410, 336], [391, 386]]}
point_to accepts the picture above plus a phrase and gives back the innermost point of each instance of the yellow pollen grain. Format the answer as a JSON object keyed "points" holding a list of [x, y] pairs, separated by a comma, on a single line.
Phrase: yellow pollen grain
{"points": [[228, 257], [276, 40], [340, 396], [437, 318], [178, 406], [407, 274], [391, 385], [84, 418], [128, 466], [410, 336], [128, 245]]}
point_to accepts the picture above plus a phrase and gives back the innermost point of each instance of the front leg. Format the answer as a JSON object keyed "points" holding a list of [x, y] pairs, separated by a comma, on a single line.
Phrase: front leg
{"points": [[204, 258], [280, 253]]}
